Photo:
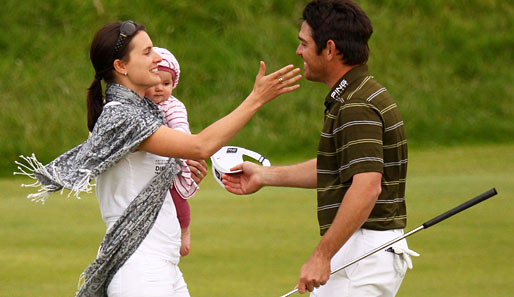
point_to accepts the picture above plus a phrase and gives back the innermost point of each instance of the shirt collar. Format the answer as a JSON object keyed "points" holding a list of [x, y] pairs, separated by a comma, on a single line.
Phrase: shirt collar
{"points": [[336, 94]]}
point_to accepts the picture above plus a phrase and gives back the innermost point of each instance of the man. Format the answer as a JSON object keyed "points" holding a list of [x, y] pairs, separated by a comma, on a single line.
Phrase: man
{"points": [[361, 162]]}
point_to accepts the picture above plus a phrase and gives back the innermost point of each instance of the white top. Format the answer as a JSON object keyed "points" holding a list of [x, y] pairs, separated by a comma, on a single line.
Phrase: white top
{"points": [[119, 185]]}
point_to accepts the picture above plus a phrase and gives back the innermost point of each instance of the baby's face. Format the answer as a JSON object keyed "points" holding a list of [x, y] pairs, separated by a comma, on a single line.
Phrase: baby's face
{"points": [[163, 90]]}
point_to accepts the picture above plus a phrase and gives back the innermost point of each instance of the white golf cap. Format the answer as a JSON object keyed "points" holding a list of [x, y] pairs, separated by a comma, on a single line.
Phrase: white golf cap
{"points": [[228, 157]]}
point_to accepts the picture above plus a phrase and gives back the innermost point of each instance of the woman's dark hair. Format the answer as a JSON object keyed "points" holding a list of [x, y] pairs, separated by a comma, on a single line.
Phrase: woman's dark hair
{"points": [[343, 22], [102, 55]]}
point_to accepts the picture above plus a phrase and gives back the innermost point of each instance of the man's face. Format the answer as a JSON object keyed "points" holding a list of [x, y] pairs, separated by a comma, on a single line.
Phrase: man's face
{"points": [[313, 63]]}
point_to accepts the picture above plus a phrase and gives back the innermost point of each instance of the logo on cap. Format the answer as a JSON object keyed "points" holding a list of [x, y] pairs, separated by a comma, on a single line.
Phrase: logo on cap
{"points": [[229, 156]]}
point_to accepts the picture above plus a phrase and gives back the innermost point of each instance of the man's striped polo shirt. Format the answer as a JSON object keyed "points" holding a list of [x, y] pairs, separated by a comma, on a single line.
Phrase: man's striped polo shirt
{"points": [[363, 132]]}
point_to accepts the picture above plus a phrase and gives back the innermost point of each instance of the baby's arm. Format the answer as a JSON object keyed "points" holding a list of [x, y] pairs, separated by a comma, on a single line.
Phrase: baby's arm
{"points": [[176, 115]]}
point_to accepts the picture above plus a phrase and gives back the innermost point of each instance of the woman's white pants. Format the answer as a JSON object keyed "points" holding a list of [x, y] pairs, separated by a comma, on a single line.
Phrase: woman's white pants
{"points": [[144, 276]]}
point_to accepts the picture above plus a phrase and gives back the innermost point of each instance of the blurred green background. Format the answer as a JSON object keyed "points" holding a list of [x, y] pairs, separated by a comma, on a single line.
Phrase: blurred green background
{"points": [[449, 65], [254, 246]]}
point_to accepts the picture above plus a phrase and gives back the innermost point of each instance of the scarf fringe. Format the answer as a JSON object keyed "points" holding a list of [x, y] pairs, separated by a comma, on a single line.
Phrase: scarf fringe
{"points": [[81, 282], [83, 185], [44, 191], [33, 164]]}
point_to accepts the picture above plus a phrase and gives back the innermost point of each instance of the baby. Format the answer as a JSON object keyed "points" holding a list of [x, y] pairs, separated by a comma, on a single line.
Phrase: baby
{"points": [[175, 114]]}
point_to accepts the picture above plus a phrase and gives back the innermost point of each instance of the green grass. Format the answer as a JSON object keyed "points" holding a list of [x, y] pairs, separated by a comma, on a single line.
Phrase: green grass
{"points": [[255, 245], [447, 63]]}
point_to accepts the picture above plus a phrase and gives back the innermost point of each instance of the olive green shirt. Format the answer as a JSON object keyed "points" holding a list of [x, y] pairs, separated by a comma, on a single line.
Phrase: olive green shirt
{"points": [[363, 132]]}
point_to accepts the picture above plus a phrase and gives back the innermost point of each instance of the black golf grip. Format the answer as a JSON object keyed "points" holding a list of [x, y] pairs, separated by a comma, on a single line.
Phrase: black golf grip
{"points": [[463, 206]]}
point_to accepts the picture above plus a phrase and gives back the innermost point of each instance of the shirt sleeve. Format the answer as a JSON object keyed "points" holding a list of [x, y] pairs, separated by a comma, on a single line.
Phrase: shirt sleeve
{"points": [[175, 115], [358, 133]]}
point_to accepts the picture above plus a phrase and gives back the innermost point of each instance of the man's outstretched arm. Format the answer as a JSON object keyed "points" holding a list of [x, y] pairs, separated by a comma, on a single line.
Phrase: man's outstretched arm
{"points": [[253, 177]]}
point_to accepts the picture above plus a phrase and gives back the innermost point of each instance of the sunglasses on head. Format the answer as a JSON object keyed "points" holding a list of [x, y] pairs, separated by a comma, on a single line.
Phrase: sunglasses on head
{"points": [[127, 29]]}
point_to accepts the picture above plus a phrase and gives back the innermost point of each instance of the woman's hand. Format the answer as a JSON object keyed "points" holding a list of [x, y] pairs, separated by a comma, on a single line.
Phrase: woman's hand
{"points": [[282, 81], [198, 169], [171, 143]]}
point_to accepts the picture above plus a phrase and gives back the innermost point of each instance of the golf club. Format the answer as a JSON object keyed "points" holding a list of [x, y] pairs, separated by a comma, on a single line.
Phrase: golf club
{"points": [[441, 217]]}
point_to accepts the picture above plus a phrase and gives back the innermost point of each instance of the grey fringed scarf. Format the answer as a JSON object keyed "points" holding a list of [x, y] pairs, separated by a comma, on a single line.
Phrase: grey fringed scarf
{"points": [[121, 127]]}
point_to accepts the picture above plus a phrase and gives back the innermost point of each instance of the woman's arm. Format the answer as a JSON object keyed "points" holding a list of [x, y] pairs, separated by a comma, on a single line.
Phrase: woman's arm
{"points": [[171, 143]]}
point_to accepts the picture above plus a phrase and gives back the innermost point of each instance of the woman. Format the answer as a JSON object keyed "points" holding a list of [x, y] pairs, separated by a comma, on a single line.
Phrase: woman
{"points": [[131, 155]]}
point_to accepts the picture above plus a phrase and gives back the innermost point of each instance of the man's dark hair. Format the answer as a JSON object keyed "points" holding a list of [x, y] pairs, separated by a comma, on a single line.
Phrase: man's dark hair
{"points": [[343, 22]]}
